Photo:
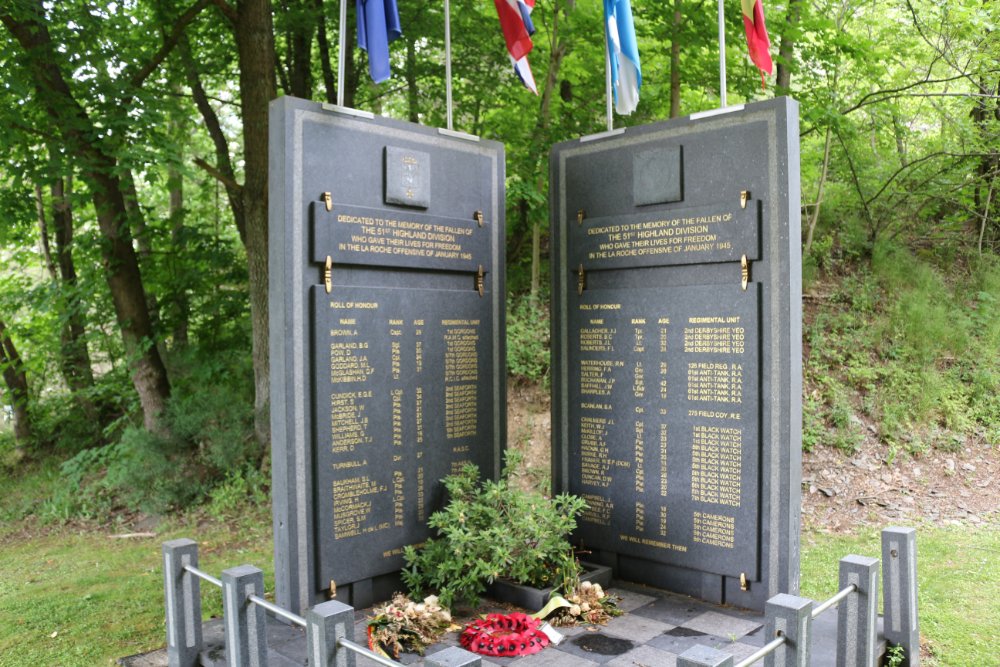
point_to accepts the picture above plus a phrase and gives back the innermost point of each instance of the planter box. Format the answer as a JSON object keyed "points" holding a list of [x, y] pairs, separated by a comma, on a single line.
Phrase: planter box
{"points": [[534, 599]]}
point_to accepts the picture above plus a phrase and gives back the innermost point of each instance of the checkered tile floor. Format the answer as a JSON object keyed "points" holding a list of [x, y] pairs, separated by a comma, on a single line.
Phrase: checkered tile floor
{"points": [[655, 629]]}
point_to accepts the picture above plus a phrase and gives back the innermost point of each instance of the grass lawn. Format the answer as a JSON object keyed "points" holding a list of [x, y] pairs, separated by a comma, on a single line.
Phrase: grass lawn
{"points": [[958, 578], [74, 595]]}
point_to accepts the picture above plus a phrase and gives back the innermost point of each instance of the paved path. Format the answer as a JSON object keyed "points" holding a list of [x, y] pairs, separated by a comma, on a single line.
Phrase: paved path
{"points": [[655, 629]]}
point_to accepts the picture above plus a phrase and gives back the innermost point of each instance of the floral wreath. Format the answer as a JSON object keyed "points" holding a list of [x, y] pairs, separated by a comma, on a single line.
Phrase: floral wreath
{"points": [[504, 635]]}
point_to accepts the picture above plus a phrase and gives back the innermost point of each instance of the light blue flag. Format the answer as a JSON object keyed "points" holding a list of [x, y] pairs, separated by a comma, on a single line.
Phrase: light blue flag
{"points": [[378, 24], [623, 52]]}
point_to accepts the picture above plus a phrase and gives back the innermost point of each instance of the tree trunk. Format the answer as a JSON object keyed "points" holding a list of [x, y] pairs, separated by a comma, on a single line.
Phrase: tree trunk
{"points": [[255, 44], [76, 358], [223, 170], [17, 385], [352, 68], [897, 133], [137, 222], [301, 29], [43, 234], [556, 56], [786, 52], [149, 375], [329, 78], [675, 61], [178, 240], [819, 193], [412, 94]]}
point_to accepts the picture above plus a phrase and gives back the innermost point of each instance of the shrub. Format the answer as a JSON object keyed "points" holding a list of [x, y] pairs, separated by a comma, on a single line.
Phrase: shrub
{"points": [[490, 530], [527, 340]]}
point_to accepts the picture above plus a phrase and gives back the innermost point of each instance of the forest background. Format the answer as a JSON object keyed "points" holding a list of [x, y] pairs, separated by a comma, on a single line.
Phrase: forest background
{"points": [[133, 247]]}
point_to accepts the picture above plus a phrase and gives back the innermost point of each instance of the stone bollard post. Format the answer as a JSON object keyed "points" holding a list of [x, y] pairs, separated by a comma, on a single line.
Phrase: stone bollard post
{"points": [[791, 617], [245, 623], [182, 598], [453, 656], [899, 591], [704, 656], [858, 612], [326, 624]]}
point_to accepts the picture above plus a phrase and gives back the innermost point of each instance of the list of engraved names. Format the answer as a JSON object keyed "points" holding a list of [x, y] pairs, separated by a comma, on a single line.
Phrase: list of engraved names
{"points": [[663, 418], [403, 394]]}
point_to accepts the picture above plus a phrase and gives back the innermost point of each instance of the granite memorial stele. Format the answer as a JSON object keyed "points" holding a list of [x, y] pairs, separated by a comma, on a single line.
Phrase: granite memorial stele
{"points": [[386, 339], [676, 302]]}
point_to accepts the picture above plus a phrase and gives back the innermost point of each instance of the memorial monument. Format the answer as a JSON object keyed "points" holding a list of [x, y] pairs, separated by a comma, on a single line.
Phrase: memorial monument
{"points": [[386, 338], [676, 297]]}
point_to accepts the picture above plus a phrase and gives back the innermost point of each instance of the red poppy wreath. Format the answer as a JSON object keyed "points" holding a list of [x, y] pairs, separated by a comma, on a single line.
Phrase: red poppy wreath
{"points": [[503, 635]]}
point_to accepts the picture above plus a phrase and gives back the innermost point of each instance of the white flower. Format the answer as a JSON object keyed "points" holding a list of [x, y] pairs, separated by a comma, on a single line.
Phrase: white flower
{"points": [[575, 610]]}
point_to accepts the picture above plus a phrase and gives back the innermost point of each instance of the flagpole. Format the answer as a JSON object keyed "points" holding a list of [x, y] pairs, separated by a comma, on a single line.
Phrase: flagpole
{"points": [[447, 59], [343, 54], [722, 59], [607, 80]]}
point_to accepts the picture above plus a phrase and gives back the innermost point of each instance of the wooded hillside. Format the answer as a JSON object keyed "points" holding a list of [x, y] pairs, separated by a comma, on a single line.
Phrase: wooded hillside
{"points": [[133, 283]]}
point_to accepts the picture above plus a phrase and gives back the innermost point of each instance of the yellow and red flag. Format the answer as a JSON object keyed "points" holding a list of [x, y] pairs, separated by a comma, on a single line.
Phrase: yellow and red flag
{"points": [[757, 40]]}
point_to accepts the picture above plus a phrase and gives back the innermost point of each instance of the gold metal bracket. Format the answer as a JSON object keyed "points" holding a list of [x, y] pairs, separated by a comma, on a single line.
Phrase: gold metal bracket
{"points": [[744, 584], [333, 589], [744, 197], [328, 275], [580, 215], [328, 200], [480, 280], [478, 215], [581, 280], [744, 272]]}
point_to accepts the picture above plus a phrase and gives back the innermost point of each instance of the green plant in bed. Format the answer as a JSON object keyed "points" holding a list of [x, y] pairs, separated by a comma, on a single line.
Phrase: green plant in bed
{"points": [[490, 530]]}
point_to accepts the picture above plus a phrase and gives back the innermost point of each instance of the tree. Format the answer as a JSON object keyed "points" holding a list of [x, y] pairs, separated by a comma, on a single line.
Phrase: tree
{"points": [[17, 385], [101, 170], [75, 363]]}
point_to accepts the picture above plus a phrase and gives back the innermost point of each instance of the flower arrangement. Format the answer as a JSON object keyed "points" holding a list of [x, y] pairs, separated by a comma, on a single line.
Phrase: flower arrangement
{"points": [[404, 625], [504, 635], [587, 604]]}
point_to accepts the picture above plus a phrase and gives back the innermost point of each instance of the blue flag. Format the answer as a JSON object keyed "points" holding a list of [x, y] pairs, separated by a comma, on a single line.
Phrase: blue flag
{"points": [[378, 24], [623, 52]]}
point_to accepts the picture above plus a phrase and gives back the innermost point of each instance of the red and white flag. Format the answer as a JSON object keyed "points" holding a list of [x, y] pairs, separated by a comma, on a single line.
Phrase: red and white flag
{"points": [[515, 22], [757, 40]]}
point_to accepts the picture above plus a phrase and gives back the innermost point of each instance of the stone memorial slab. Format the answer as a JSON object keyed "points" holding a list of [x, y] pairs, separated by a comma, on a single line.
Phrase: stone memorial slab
{"points": [[386, 339], [677, 349], [398, 238], [703, 235], [667, 436], [407, 177]]}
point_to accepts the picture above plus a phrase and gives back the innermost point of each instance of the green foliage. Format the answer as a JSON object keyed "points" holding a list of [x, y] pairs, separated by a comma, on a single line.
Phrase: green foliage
{"points": [[527, 340], [491, 530], [245, 485], [912, 347], [206, 451], [894, 655]]}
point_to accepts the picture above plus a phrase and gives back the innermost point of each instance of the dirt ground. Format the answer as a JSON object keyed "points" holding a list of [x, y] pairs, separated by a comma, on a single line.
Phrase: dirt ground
{"points": [[839, 492]]}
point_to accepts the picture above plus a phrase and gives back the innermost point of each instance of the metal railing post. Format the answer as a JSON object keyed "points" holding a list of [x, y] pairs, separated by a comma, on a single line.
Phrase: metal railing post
{"points": [[182, 598], [858, 613], [704, 656], [453, 656], [791, 617], [899, 591], [245, 623], [326, 624]]}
